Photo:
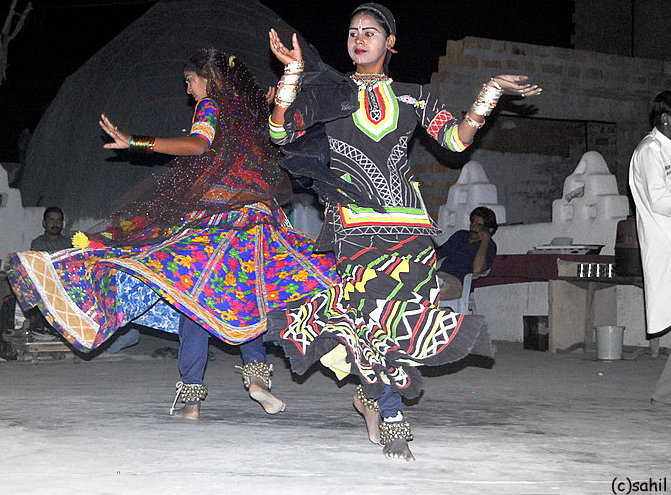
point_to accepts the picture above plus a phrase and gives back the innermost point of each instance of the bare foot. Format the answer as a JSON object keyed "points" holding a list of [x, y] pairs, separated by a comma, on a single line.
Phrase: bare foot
{"points": [[372, 418], [398, 449], [258, 391], [189, 411]]}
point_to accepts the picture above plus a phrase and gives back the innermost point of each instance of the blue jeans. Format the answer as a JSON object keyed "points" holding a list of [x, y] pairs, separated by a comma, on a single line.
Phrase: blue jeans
{"points": [[192, 356], [124, 339]]}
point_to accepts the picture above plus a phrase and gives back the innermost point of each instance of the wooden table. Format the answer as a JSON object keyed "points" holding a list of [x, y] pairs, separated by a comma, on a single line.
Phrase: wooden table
{"points": [[27, 347], [591, 285]]}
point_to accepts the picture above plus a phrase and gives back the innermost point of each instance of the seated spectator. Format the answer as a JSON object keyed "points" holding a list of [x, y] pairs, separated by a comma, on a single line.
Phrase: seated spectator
{"points": [[52, 239], [467, 251]]}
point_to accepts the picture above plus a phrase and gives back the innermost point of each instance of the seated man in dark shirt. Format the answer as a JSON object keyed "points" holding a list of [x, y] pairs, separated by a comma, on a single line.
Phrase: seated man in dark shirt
{"points": [[53, 238], [467, 251]]}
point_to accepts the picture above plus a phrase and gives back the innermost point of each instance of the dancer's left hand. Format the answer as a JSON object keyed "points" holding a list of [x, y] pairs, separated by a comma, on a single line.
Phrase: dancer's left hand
{"points": [[121, 140], [270, 95], [515, 84]]}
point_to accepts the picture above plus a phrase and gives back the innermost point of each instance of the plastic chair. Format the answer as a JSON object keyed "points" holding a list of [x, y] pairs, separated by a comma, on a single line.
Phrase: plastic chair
{"points": [[463, 304]]}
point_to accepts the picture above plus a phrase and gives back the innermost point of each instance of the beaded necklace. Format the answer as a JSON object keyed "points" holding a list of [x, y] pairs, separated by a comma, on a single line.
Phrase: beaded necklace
{"points": [[369, 81]]}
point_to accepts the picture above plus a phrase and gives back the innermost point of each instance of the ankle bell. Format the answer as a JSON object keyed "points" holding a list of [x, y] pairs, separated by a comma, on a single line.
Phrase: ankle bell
{"points": [[369, 403], [391, 431], [188, 392], [257, 369]]}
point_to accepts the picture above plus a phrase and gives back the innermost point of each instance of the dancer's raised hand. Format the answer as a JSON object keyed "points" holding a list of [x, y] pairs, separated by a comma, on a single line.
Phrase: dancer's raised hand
{"points": [[283, 54]]}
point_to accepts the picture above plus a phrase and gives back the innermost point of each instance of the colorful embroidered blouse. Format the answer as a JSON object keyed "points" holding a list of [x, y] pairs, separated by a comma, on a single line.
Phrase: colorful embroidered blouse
{"points": [[205, 120], [369, 149]]}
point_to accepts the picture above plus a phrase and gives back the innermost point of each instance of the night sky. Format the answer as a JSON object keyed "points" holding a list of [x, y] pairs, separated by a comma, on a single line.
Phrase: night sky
{"points": [[60, 35]]}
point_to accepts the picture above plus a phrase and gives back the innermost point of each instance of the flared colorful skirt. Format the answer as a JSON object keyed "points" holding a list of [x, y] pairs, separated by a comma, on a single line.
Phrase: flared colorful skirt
{"points": [[382, 321], [221, 274]]}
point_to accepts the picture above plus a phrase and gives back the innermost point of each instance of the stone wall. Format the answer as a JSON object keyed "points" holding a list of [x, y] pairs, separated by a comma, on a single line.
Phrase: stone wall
{"points": [[590, 101]]}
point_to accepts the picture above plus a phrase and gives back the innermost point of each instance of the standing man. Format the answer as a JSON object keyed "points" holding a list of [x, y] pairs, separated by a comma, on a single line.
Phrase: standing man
{"points": [[467, 251], [650, 184], [52, 239]]}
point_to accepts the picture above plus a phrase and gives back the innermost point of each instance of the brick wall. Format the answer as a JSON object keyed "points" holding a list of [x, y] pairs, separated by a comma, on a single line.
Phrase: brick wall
{"points": [[597, 101]]}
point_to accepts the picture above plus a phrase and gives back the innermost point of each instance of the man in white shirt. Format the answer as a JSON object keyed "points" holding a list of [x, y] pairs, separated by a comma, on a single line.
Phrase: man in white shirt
{"points": [[650, 184]]}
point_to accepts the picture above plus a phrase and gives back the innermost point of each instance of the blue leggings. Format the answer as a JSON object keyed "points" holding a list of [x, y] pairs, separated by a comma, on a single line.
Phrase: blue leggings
{"points": [[192, 356], [390, 403]]}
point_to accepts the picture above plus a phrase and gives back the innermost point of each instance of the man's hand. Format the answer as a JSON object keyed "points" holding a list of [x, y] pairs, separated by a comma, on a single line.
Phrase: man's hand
{"points": [[480, 233]]}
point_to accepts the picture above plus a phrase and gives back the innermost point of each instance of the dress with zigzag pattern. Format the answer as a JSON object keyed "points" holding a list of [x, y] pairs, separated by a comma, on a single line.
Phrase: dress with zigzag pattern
{"points": [[382, 320]]}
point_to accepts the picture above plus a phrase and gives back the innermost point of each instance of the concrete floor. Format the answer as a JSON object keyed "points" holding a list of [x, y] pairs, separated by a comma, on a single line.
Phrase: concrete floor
{"points": [[531, 423]]}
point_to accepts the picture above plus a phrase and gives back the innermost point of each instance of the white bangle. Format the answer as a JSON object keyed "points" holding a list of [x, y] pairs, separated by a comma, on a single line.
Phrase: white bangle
{"points": [[294, 67], [287, 86], [486, 100]]}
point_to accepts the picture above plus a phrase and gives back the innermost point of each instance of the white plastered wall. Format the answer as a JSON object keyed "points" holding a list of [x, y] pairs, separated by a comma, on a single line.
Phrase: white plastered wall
{"points": [[18, 225], [588, 212]]}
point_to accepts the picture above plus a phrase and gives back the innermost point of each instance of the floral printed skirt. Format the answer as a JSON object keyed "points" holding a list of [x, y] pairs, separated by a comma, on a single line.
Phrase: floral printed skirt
{"points": [[224, 277]]}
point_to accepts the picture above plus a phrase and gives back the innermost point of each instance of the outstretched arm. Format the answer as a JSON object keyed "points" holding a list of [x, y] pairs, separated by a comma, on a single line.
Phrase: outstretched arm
{"points": [[285, 56], [183, 145], [515, 84]]}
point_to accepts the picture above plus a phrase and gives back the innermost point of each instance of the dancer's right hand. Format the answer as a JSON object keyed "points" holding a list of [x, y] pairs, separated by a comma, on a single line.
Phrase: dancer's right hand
{"points": [[283, 54], [121, 140]]}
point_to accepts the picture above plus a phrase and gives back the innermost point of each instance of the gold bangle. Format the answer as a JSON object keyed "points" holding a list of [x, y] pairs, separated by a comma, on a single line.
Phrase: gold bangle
{"points": [[474, 123]]}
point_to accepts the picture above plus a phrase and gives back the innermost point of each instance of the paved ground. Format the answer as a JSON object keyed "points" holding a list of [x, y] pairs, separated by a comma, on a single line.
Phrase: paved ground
{"points": [[529, 423]]}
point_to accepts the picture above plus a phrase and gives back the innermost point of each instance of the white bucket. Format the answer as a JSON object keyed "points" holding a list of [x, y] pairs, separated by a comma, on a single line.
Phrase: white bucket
{"points": [[609, 342]]}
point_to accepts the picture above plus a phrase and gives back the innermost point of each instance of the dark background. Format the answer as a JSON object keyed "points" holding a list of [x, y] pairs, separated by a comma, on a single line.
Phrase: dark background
{"points": [[60, 35]]}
